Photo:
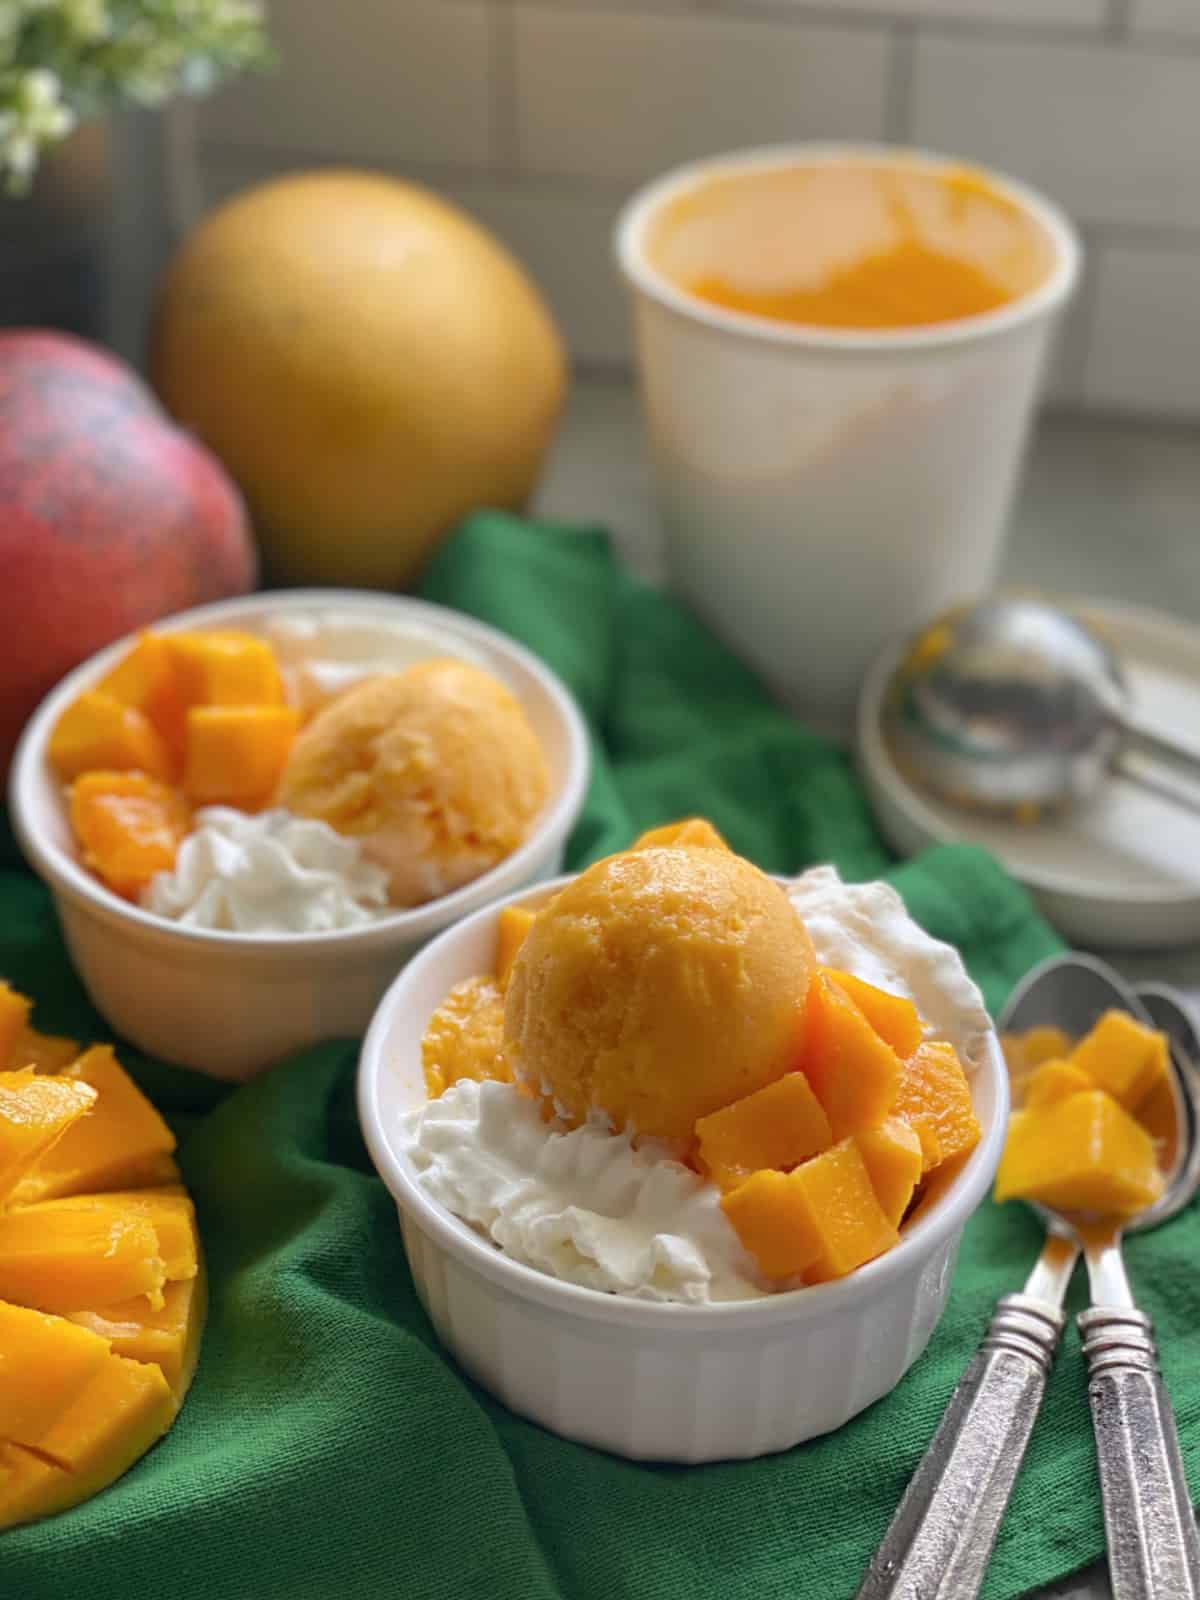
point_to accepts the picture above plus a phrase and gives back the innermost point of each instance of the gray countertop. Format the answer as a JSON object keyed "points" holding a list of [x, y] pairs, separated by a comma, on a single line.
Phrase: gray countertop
{"points": [[1107, 509]]}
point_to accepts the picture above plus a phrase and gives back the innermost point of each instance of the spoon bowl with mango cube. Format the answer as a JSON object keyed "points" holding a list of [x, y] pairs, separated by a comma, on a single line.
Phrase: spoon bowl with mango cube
{"points": [[942, 1535]]}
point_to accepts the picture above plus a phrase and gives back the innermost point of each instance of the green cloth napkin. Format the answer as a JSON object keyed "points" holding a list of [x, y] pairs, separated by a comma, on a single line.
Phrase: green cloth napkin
{"points": [[330, 1448]]}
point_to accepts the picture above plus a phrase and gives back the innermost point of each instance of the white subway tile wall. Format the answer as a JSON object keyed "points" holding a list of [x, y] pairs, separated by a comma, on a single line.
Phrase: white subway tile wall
{"points": [[541, 118], [1166, 16], [621, 97]]}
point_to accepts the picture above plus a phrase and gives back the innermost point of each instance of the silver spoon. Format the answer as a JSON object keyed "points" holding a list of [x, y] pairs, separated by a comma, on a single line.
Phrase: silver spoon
{"points": [[1012, 707], [941, 1537]]}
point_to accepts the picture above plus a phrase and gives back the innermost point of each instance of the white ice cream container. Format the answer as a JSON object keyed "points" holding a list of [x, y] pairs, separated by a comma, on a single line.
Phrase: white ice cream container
{"points": [[823, 489]]}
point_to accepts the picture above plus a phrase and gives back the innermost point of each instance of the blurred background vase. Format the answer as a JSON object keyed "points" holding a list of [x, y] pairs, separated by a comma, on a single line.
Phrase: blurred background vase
{"points": [[81, 251]]}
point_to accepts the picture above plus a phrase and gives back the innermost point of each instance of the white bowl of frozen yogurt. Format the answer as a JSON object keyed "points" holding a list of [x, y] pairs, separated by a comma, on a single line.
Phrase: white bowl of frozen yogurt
{"points": [[593, 1282], [273, 932]]}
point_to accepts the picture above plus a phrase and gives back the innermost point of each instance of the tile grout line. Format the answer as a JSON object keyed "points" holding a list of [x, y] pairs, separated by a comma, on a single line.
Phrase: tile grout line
{"points": [[1118, 21], [1111, 26], [1078, 350], [256, 160], [899, 84], [503, 136]]}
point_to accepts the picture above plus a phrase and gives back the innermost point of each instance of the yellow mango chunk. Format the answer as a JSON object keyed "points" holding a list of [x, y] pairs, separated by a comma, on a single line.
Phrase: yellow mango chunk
{"points": [[779, 1126], [236, 754], [1123, 1057], [1024, 1051], [145, 678], [773, 1219], [129, 826], [68, 1260], [123, 1144], [935, 1100], [45, 1364], [1054, 1080], [169, 1337], [97, 732], [893, 1016], [464, 1037], [35, 1113], [14, 1019], [512, 925], [125, 1408], [44, 1052], [694, 833], [224, 668], [822, 1219], [1084, 1153], [854, 1073], [894, 1161]]}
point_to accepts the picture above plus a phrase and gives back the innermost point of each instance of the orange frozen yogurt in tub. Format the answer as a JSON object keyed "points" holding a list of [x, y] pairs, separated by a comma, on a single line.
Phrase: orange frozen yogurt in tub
{"points": [[852, 244]]}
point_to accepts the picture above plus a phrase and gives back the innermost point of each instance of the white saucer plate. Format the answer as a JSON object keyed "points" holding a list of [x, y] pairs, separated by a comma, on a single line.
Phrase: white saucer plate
{"points": [[1122, 872]]}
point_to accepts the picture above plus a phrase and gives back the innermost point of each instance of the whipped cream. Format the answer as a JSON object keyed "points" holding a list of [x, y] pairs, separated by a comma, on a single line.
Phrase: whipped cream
{"points": [[584, 1205], [863, 928], [323, 653], [588, 1207], [269, 873]]}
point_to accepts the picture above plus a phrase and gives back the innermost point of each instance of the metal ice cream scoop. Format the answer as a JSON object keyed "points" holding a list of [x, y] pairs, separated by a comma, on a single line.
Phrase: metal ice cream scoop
{"points": [[1012, 707]]}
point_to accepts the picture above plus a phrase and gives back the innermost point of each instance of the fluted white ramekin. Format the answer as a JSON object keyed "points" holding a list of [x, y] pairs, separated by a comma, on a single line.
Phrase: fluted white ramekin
{"points": [[231, 1004], [653, 1381]]}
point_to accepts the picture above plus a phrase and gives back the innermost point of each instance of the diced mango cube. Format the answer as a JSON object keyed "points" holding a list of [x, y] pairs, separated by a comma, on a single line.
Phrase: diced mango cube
{"points": [[35, 1113], [773, 1218], [779, 1126], [45, 1364], [123, 1144], [1123, 1057], [224, 668], [97, 732], [464, 1038], [67, 1261], [1024, 1051], [14, 1018], [1054, 1080], [822, 1219], [893, 1016], [854, 1073], [129, 826], [935, 1100], [145, 678], [1084, 1153], [693, 833], [894, 1162], [44, 1052], [512, 925], [236, 754]]}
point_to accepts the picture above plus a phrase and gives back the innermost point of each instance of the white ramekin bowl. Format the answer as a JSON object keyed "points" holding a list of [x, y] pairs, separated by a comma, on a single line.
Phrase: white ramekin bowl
{"points": [[653, 1381], [231, 1004]]}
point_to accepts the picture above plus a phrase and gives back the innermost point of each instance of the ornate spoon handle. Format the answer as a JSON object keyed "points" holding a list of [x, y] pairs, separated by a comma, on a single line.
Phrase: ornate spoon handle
{"points": [[1153, 1546], [940, 1540]]}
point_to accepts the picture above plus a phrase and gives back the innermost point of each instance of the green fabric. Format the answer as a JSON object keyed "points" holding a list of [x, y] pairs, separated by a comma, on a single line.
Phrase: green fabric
{"points": [[329, 1448]]}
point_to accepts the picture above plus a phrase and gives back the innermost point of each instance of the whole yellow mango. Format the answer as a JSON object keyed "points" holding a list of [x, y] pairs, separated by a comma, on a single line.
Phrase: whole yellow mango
{"points": [[367, 361]]}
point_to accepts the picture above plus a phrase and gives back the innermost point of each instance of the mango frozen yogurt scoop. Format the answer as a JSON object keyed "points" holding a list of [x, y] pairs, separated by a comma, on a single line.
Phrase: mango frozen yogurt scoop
{"points": [[658, 986], [434, 770]]}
